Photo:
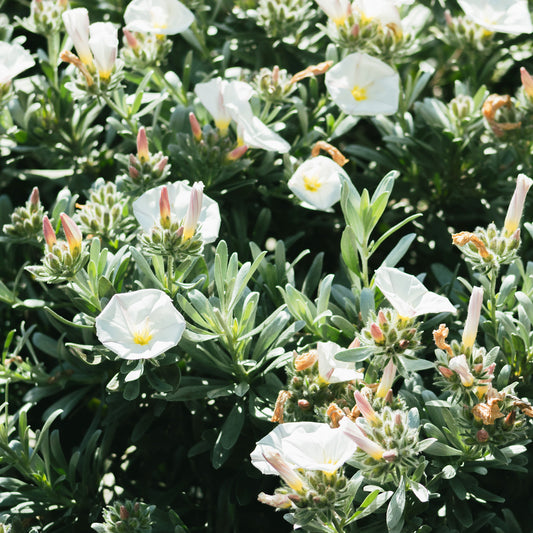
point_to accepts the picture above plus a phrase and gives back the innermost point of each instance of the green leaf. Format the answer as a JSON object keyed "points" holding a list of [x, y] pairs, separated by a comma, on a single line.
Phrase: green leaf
{"points": [[439, 449], [395, 509], [355, 354]]}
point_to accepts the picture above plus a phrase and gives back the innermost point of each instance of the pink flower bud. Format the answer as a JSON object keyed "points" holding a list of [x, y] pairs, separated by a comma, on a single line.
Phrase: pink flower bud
{"points": [[355, 30], [193, 212], [304, 405], [143, 154], [195, 126], [34, 197], [365, 408], [390, 455], [124, 514], [162, 164], [133, 173], [164, 208], [49, 233], [353, 431], [280, 501], [130, 39], [355, 343], [286, 472], [527, 82], [516, 206], [382, 319], [446, 372], [448, 17], [237, 153], [72, 233], [275, 75], [376, 333]]}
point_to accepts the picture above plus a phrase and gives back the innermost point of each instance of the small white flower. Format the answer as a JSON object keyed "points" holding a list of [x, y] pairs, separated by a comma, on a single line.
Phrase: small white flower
{"points": [[104, 44], [140, 325], [147, 211], [77, 26], [408, 295], [516, 205], [14, 59], [318, 182], [162, 17], [506, 16], [382, 11], [336, 10], [331, 370], [307, 445], [229, 100], [364, 85], [459, 365], [472, 318]]}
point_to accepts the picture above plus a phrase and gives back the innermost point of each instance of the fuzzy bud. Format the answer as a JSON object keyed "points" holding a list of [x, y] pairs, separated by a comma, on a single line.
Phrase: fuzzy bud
{"points": [[143, 154], [195, 126], [482, 436]]}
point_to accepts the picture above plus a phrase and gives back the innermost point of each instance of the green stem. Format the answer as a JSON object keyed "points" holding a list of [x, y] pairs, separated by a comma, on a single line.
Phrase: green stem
{"points": [[492, 296], [170, 275], [162, 82], [53, 55], [119, 111]]}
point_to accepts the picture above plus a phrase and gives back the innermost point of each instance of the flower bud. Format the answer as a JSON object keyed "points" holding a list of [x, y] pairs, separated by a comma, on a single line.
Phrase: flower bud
{"points": [[516, 206], [382, 319], [305, 360], [143, 154], [164, 208], [285, 470], [124, 514], [34, 200], [527, 82], [472, 318], [304, 405], [482, 436], [237, 153], [459, 365], [195, 126], [446, 372], [365, 408], [133, 43], [49, 233], [355, 343], [387, 380], [72, 233], [376, 333], [193, 212]]}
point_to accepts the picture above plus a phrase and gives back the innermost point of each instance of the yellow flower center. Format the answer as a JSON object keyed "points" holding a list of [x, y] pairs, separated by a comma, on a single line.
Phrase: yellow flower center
{"points": [[359, 93], [339, 21], [312, 183], [142, 336], [157, 16]]}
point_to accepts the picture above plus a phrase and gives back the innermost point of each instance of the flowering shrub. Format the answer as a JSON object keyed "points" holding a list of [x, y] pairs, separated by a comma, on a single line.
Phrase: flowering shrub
{"points": [[263, 266]]}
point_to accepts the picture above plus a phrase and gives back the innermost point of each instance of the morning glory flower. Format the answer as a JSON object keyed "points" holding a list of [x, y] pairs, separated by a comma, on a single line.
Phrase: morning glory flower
{"points": [[162, 17], [408, 295], [14, 59], [148, 213], [516, 205], [472, 318], [364, 85], [229, 100], [382, 11], [318, 183], [336, 10], [505, 16], [140, 324], [77, 25], [306, 445], [331, 370], [103, 42]]}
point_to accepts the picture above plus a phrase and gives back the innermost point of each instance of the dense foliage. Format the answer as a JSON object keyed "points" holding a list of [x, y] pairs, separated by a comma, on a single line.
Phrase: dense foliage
{"points": [[265, 237]]}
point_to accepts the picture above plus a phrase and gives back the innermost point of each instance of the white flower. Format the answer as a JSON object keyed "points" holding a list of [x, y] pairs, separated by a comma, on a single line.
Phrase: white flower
{"points": [[382, 11], [407, 294], [77, 26], [336, 10], [354, 432], [162, 17], [472, 318], [229, 100], [104, 44], [459, 364], [506, 16], [146, 209], [363, 85], [14, 59], [331, 370], [318, 182], [307, 445], [516, 205], [140, 325]]}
